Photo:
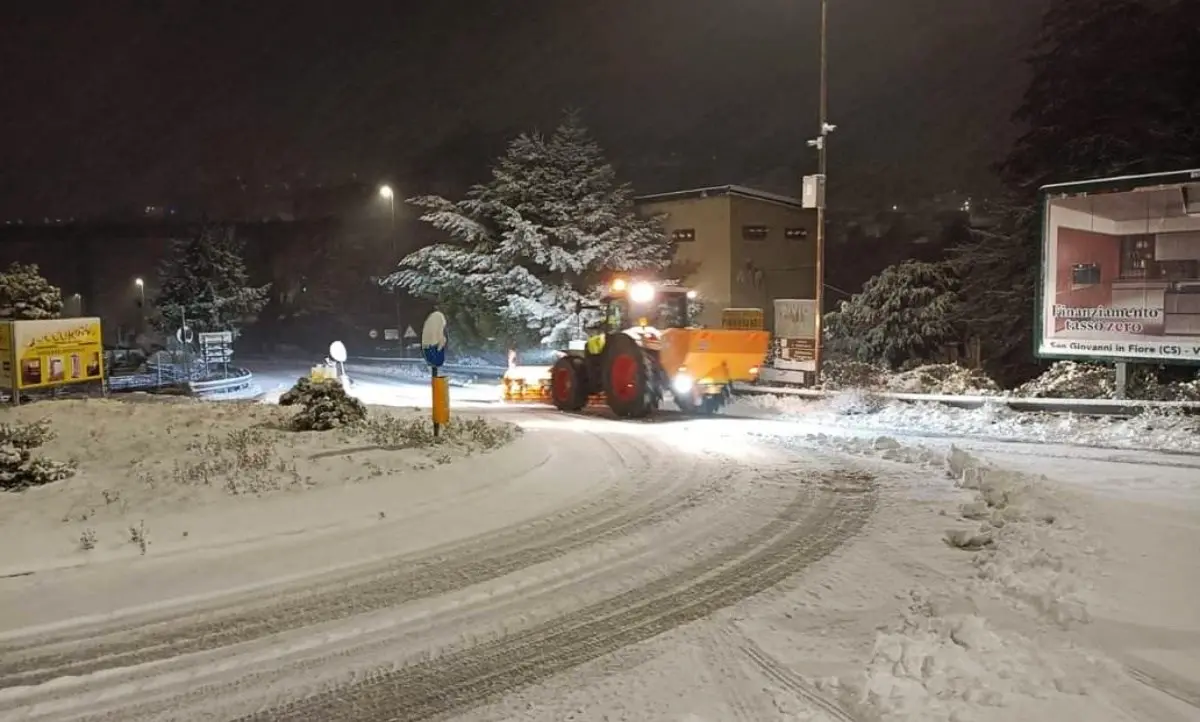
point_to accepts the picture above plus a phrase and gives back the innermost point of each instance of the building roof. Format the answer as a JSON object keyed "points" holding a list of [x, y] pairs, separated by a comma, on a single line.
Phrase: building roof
{"points": [[730, 190]]}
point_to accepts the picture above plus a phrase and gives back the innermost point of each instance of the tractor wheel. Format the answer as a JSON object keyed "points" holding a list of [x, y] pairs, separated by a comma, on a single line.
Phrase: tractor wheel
{"points": [[629, 386], [568, 384]]}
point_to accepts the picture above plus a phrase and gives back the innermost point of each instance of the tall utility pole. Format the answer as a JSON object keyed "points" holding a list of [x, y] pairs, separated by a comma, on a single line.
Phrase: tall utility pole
{"points": [[821, 143]]}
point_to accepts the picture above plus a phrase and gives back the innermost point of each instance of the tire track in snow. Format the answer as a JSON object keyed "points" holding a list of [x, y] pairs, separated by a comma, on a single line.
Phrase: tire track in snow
{"points": [[812, 526], [661, 494]]}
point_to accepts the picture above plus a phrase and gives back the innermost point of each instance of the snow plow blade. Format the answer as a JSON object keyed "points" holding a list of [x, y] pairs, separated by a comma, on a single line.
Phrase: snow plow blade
{"points": [[530, 384], [715, 356]]}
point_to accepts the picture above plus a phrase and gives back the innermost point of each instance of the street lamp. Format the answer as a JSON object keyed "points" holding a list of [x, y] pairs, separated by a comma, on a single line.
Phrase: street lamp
{"points": [[386, 192], [141, 289]]}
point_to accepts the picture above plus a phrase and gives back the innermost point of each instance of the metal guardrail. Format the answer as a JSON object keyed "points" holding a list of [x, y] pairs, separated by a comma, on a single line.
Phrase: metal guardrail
{"points": [[1087, 407], [239, 385], [465, 369]]}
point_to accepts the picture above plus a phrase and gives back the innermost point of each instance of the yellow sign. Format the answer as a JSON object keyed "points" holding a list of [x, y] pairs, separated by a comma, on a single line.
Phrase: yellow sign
{"points": [[53, 352], [742, 319]]}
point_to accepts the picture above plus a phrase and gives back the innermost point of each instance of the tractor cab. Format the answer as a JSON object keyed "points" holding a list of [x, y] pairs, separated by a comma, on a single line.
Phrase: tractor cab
{"points": [[644, 305]]}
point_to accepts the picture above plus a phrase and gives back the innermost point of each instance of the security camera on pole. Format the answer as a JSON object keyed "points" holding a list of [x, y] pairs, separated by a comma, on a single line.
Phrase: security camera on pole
{"points": [[433, 347]]}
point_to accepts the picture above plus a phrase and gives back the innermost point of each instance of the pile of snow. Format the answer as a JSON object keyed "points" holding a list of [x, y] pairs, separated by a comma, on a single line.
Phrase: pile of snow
{"points": [[945, 659], [1072, 380], [1075, 380], [855, 412], [950, 379]]}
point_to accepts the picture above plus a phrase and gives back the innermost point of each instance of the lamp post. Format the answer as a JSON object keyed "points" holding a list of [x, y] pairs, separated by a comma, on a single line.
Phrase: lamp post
{"points": [[821, 143], [386, 192], [141, 289]]}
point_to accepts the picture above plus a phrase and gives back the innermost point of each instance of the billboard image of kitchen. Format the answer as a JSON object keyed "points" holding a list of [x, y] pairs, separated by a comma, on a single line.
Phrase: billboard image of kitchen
{"points": [[1121, 273]]}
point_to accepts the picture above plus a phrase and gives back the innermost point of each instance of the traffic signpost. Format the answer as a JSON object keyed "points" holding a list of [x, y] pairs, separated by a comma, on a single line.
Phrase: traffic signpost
{"points": [[433, 348]]}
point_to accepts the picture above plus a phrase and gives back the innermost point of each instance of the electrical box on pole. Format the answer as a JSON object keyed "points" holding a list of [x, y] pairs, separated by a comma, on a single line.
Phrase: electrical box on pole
{"points": [[813, 192]]}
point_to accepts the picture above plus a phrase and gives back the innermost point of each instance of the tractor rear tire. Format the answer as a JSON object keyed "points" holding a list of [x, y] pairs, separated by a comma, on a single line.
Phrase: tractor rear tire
{"points": [[568, 384], [629, 378]]}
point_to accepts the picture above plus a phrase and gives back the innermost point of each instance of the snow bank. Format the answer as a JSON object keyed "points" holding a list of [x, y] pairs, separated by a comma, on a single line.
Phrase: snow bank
{"points": [[1063, 380], [143, 456], [856, 411], [929, 379], [947, 658]]}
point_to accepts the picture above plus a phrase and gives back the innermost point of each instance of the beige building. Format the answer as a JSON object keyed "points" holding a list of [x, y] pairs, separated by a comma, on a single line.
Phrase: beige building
{"points": [[747, 247]]}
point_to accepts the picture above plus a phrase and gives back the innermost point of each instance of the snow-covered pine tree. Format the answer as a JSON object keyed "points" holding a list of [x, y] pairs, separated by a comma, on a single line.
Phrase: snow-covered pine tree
{"points": [[543, 234], [903, 314], [26, 295], [204, 277]]}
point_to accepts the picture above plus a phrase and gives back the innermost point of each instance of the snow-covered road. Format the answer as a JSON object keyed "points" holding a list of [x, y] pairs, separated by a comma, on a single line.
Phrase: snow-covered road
{"points": [[744, 567]]}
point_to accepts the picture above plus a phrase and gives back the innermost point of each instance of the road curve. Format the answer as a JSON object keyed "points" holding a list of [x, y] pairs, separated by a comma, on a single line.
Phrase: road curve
{"points": [[672, 533]]}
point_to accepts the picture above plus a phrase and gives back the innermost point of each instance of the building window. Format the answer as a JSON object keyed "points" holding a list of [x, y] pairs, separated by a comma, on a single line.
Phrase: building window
{"points": [[795, 234], [683, 235], [754, 233]]}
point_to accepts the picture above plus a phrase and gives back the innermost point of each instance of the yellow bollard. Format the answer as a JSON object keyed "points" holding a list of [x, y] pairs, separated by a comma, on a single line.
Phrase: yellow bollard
{"points": [[441, 403]]}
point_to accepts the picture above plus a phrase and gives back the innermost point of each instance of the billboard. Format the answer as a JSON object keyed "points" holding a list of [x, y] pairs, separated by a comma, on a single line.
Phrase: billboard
{"points": [[796, 334], [52, 352], [1121, 270]]}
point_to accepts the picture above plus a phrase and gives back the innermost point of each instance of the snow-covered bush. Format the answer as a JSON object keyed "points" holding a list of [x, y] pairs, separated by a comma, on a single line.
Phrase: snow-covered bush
{"points": [[905, 313], [324, 405], [26, 295], [543, 234], [841, 374], [19, 468], [949, 379]]}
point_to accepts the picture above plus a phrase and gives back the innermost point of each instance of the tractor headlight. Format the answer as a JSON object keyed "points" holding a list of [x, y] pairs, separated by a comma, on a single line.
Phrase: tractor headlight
{"points": [[641, 293], [683, 382]]}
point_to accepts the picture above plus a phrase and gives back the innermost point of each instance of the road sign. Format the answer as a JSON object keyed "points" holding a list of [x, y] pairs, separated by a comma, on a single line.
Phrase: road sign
{"points": [[373, 333], [216, 337], [337, 351], [410, 333], [391, 334], [184, 334], [433, 339]]}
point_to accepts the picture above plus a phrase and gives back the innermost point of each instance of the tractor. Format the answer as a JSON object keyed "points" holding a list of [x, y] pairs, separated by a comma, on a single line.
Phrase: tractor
{"points": [[645, 349]]}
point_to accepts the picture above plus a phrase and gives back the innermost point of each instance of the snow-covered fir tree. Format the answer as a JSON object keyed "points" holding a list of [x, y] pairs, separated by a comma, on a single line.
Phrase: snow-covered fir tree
{"points": [[544, 233], [903, 314], [204, 278], [26, 295]]}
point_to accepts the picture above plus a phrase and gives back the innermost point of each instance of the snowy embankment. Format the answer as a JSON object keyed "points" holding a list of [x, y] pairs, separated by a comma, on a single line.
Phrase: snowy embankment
{"points": [[858, 405], [857, 412], [161, 472], [1024, 629]]}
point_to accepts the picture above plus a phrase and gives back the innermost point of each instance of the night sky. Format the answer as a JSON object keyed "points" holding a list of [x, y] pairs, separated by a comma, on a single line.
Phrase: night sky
{"points": [[119, 103]]}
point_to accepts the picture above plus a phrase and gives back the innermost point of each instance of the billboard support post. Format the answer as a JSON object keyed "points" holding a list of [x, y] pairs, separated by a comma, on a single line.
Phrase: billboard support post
{"points": [[1122, 387]]}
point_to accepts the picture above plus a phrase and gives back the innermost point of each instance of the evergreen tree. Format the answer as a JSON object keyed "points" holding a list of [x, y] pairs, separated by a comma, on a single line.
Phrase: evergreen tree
{"points": [[204, 279], [906, 313], [542, 235], [26, 295], [1112, 92]]}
